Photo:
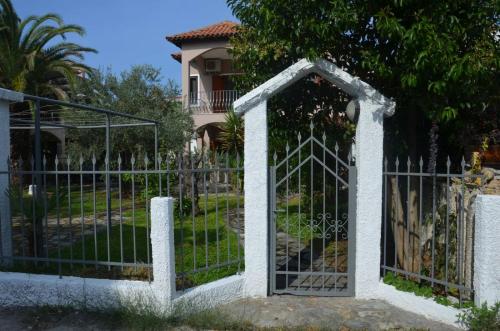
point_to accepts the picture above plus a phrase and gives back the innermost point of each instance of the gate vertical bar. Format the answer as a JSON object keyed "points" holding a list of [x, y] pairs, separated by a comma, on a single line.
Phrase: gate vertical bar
{"points": [[108, 188], [38, 179], [272, 227]]}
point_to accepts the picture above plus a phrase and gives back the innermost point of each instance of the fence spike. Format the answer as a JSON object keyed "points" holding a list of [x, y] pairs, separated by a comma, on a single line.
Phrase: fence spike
{"points": [[68, 161], [93, 159], [397, 162], [299, 137], [119, 159], [81, 159], [287, 147], [463, 163], [448, 162], [421, 162], [132, 160], [324, 137], [311, 126], [56, 160], [275, 156], [408, 163], [159, 160], [146, 159], [336, 147]]}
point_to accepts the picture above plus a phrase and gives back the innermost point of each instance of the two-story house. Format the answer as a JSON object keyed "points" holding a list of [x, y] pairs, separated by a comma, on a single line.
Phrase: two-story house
{"points": [[207, 71]]}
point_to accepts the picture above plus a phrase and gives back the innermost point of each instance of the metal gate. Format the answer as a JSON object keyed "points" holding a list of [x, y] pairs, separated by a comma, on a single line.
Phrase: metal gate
{"points": [[312, 199]]}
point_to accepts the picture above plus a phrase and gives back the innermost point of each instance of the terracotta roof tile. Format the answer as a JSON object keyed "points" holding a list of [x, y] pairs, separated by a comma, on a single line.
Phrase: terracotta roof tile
{"points": [[223, 29], [177, 56]]}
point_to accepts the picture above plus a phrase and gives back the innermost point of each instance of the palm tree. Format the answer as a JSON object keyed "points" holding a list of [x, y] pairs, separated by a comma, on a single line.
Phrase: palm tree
{"points": [[35, 58], [231, 136], [31, 61]]}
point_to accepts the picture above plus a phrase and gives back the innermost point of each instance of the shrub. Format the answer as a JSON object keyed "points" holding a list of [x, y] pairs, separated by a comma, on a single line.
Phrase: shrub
{"points": [[481, 318]]}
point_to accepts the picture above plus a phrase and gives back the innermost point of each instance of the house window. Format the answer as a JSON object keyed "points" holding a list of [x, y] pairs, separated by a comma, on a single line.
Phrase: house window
{"points": [[193, 90]]}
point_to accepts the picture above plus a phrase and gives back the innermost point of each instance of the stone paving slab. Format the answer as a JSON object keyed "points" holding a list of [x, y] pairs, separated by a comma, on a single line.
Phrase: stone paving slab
{"points": [[328, 313]]}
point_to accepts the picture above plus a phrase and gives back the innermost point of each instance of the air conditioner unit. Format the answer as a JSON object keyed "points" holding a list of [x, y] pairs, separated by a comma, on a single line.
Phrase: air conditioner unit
{"points": [[212, 65]]}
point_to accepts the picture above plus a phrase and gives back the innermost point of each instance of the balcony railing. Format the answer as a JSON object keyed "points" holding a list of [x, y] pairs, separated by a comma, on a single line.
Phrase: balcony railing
{"points": [[211, 102]]}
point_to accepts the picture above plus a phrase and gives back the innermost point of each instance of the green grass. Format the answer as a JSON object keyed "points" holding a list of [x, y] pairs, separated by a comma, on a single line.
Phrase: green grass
{"points": [[201, 242]]}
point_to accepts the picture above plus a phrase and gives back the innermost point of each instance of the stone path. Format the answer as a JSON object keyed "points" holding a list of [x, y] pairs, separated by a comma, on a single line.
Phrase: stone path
{"points": [[328, 313], [275, 313]]}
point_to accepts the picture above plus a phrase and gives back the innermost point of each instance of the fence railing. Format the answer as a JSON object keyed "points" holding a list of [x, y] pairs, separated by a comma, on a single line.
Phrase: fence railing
{"points": [[428, 224], [77, 218], [211, 102]]}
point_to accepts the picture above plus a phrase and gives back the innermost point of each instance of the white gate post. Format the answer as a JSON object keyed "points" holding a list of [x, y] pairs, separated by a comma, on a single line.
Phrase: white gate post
{"points": [[486, 247], [369, 159], [163, 249], [6, 97], [256, 201]]}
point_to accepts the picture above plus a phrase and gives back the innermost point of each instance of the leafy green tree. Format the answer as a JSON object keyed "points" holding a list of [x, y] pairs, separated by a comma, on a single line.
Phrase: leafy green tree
{"points": [[139, 92], [439, 60], [31, 58]]}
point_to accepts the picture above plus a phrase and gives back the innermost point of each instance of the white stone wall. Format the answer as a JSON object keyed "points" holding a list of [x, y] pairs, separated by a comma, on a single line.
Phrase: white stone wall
{"points": [[426, 307], [487, 250], [256, 202], [369, 160], [163, 250]]}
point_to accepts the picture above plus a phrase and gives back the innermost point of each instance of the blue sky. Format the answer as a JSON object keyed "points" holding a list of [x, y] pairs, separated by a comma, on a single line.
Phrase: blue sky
{"points": [[129, 32]]}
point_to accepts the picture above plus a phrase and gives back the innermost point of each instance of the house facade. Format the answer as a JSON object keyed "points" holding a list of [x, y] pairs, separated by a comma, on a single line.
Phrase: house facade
{"points": [[207, 78]]}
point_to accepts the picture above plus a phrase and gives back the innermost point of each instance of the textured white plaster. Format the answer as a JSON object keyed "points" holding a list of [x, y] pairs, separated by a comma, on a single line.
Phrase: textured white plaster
{"points": [[256, 202], [163, 250], [418, 305], [5, 227], [213, 294], [369, 159], [10, 96], [343, 80], [19, 289], [487, 250], [23, 290]]}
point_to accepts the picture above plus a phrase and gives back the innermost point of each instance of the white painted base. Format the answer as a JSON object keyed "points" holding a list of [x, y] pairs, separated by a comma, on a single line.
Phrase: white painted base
{"points": [[418, 305], [213, 294], [20, 289], [28, 290]]}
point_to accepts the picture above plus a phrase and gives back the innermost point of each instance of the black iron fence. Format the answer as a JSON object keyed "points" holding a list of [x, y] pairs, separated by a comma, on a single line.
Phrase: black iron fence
{"points": [[428, 226], [88, 220]]}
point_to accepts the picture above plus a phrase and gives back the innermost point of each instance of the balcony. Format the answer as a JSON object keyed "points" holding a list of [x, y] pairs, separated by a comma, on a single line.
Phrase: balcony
{"points": [[210, 102]]}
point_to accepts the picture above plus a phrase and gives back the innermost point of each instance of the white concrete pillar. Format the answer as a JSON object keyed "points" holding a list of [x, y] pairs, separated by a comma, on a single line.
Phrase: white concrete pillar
{"points": [[6, 97], [163, 250], [256, 201], [486, 250], [369, 159]]}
